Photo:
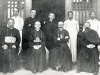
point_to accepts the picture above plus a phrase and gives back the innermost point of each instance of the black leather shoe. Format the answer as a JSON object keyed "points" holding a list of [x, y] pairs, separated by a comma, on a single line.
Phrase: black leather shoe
{"points": [[40, 71], [65, 70], [11, 71], [5, 72], [34, 72]]}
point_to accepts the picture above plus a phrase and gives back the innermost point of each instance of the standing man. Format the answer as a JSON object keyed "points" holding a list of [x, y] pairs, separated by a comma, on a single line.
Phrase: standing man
{"points": [[30, 21], [19, 22], [95, 24], [72, 27], [28, 27], [49, 26]]}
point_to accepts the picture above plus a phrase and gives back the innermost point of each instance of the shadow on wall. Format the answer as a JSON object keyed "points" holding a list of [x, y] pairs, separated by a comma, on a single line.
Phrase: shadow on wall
{"points": [[44, 7]]}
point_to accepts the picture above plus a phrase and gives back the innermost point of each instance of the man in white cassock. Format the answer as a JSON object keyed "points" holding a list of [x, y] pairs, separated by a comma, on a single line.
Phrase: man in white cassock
{"points": [[19, 22], [95, 24], [72, 27]]}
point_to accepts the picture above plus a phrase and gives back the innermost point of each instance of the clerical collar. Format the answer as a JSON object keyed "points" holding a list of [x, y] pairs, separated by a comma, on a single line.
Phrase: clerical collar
{"points": [[51, 20], [61, 29], [32, 17], [37, 29]]}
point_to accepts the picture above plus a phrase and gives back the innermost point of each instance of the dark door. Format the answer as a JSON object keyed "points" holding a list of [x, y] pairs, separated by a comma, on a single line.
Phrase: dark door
{"points": [[44, 7], [2, 3]]}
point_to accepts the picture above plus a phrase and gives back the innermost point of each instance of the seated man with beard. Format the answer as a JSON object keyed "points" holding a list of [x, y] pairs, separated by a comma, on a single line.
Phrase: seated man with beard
{"points": [[10, 39], [89, 55], [60, 55]]}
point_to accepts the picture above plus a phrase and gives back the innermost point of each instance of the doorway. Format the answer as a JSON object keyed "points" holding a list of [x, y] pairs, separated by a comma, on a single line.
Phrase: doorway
{"points": [[44, 7]]}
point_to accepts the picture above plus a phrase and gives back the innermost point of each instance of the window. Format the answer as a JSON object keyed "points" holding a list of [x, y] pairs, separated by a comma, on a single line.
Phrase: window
{"points": [[11, 4], [81, 9]]}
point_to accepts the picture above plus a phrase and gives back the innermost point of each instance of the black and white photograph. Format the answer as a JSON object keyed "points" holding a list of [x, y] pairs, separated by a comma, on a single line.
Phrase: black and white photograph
{"points": [[49, 37]]}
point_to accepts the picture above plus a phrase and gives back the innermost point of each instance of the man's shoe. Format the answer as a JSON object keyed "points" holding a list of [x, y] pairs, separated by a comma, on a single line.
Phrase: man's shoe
{"points": [[65, 70], [5, 72], [34, 72]]}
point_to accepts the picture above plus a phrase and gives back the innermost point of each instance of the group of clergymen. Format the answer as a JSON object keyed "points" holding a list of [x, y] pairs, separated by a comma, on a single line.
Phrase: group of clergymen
{"points": [[50, 44]]}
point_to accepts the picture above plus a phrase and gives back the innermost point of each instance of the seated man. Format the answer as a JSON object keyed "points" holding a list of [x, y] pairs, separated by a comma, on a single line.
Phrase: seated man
{"points": [[60, 55], [36, 51], [10, 38], [89, 55]]}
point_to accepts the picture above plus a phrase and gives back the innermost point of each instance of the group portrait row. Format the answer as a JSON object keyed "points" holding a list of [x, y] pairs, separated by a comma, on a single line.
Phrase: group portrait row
{"points": [[43, 44]]}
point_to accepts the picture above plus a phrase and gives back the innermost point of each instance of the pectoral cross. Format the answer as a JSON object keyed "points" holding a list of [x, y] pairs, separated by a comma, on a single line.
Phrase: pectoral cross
{"points": [[61, 36], [38, 39]]}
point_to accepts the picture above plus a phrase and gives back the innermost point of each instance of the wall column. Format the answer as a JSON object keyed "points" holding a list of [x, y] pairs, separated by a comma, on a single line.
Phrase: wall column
{"points": [[98, 9], [94, 6], [68, 7], [28, 7]]}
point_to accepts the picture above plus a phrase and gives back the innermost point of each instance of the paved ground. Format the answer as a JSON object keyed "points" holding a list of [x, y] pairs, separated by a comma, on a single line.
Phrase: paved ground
{"points": [[48, 72]]}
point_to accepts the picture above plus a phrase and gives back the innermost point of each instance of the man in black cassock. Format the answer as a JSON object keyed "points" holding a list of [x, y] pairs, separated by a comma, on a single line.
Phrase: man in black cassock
{"points": [[49, 26], [60, 55], [36, 51], [89, 55], [78, 38], [10, 38], [28, 27]]}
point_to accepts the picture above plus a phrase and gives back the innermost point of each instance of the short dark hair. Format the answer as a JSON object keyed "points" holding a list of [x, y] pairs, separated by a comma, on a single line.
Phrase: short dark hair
{"points": [[16, 8], [32, 9], [91, 12], [70, 12], [11, 19]]}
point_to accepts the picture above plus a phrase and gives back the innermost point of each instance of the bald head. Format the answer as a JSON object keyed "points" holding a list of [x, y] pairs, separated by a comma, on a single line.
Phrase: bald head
{"points": [[60, 24], [87, 24], [37, 22], [37, 25]]}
